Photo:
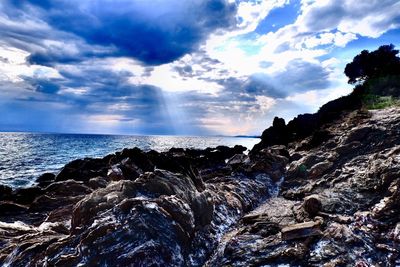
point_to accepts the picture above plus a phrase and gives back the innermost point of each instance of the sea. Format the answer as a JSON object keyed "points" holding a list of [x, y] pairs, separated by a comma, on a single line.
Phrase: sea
{"points": [[26, 156]]}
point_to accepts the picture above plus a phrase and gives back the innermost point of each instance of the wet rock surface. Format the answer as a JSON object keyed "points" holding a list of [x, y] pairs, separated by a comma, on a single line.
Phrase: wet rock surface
{"points": [[338, 206], [331, 198], [132, 208]]}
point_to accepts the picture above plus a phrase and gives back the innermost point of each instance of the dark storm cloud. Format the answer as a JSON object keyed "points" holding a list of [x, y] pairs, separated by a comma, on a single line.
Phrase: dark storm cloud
{"points": [[52, 56], [99, 80], [46, 45], [154, 32]]}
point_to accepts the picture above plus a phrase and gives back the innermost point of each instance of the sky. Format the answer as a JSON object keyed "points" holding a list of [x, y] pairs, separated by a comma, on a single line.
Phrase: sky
{"points": [[179, 67]]}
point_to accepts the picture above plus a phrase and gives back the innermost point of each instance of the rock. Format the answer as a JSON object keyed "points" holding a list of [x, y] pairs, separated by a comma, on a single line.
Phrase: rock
{"points": [[360, 133], [266, 161], [280, 150], [348, 148], [221, 153], [125, 169], [199, 212], [278, 134], [238, 149], [98, 182], [129, 169], [386, 248], [312, 205], [7, 207], [261, 227], [161, 182], [180, 212], [83, 170], [340, 232], [238, 159], [295, 157], [296, 170], [45, 179], [177, 152], [62, 214], [100, 200], [395, 234], [160, 218], [275, 210], [46, 203], [115, 173], [319, 137], [203, 208], [139, 158], [337, 218], [166, 183], [319, 169], [26, 195], [388, 206], [67, 188], [5, 192], [301, 230]]}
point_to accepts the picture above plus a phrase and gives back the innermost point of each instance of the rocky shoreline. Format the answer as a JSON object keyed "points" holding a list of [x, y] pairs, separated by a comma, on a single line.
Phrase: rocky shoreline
{"points": [[330, 197]]}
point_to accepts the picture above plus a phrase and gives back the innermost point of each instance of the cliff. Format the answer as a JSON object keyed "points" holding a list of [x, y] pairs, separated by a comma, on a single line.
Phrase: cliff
{"points": [[328, 197]]}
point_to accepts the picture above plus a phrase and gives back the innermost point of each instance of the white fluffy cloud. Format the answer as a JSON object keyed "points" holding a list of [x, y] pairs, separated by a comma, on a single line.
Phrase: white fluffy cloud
{"points": [[251, 12], [367, 18]]}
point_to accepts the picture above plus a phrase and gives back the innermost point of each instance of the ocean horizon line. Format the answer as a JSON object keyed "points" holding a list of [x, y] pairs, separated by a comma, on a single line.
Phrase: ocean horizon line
{"points": [[132, 135]]}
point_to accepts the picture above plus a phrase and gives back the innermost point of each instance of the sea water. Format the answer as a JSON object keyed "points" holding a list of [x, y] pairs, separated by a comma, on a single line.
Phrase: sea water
{"points": [[25, 156]]}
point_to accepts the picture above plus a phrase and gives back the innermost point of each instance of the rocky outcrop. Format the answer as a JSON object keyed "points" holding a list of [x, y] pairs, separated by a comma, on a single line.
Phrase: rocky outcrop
{"points": [[329, 198], [338, 206], [125, 209], [306, 125]]}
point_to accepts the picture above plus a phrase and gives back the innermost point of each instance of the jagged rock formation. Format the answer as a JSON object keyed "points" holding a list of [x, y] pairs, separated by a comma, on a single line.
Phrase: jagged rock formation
{"points": [[355, 177], [305, 125], [338, 204], [125, 210]]}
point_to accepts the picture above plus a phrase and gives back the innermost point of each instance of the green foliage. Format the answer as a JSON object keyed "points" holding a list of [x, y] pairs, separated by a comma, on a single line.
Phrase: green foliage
{"points": [[371, 101], [367, 65], [381, 92], [383, 86]]}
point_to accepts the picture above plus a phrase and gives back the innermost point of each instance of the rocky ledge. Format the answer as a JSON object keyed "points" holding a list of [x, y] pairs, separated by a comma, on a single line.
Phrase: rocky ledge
{"points": [[331, 198]]}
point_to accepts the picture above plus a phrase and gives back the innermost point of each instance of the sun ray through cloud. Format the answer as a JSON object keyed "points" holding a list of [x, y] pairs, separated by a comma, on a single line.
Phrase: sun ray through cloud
{"points": [[179, 67]]}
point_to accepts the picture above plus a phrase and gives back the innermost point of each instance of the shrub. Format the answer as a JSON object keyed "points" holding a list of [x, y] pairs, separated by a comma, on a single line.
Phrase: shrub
{"points": [[371, 101], [384, 86]]}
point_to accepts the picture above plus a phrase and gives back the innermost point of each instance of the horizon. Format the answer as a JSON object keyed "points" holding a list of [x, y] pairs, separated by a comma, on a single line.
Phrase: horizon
{"points": [[186, 68], [130, 135]]}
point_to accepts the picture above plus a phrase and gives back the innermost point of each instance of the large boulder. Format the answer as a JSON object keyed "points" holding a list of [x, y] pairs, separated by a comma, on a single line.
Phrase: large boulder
{"points": [[83, 170]]}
